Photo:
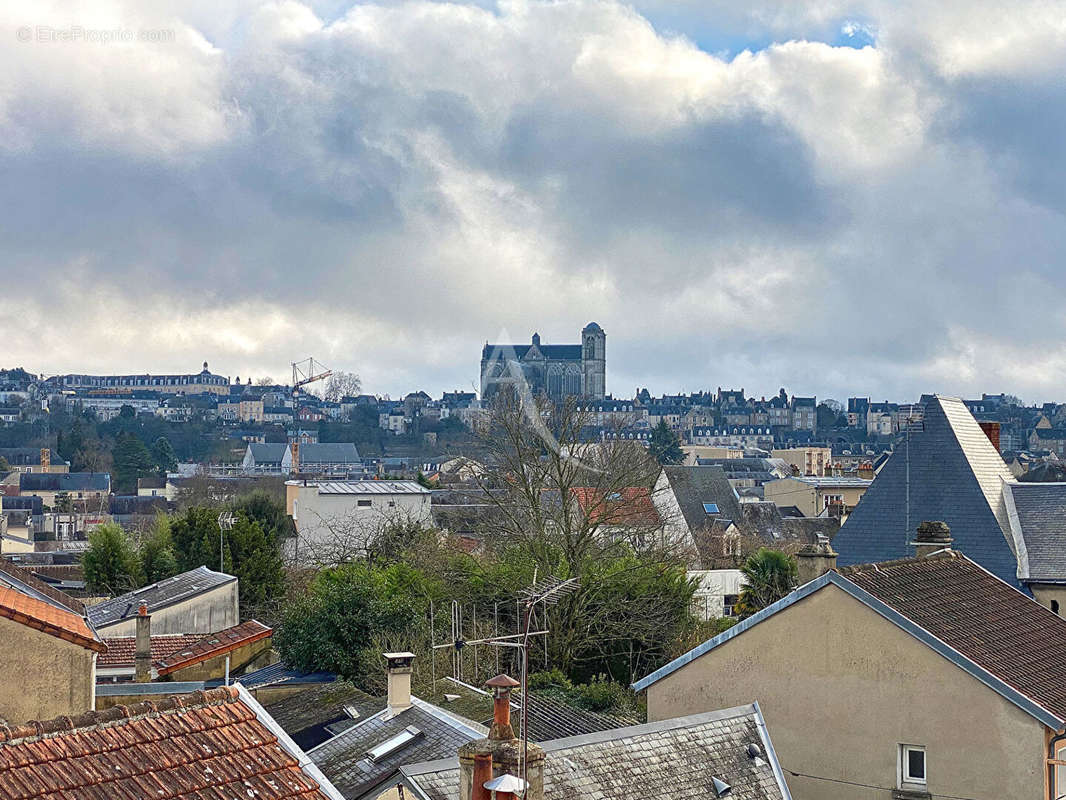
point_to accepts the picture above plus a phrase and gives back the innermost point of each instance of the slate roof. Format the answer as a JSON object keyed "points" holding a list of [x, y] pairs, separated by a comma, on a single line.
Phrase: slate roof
{"points": [[24, 581], [1037, 513], [158, 595], [343, 758], [329, 453], [215, 744], [64, 482], [50, 618], [552, 352], [121, 650], [694, 486], [278, 673], [673, 758], [215, 644], [305, 714], [956, 476], [264, 453], [980, 616]]}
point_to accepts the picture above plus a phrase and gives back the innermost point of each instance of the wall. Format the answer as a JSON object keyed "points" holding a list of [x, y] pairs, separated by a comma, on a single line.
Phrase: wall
{"points": [[43, 676], [1046, 593], [210, 612], [841, 687], [790, 492], [246, 656]]}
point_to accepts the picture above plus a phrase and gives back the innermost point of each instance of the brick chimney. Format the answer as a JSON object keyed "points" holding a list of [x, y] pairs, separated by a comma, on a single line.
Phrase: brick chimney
{"points": [[142, 652], [398, 674], [46, 459], [931, 537], [815, 559], [504, 752], [295, 469]]}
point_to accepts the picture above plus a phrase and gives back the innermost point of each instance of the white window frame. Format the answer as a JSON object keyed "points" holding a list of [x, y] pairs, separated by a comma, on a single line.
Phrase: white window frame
{"points": [[905, 779]]}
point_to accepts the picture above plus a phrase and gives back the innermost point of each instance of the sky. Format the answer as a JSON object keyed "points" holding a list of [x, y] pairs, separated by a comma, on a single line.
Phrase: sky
{"points": [[841, 198]]}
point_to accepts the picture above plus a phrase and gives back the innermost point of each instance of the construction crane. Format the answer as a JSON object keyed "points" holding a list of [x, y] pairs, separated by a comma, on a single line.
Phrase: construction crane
{"points": [[305, 372]]}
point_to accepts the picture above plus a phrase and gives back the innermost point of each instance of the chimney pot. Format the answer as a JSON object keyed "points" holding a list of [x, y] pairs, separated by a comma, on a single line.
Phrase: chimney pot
{"points": [[501, 687], [482, 776], [815, 559], [931, 537]]}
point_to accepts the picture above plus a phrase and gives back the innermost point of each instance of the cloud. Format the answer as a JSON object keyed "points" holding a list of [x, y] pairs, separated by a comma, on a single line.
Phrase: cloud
{"points": [[387, 185]]}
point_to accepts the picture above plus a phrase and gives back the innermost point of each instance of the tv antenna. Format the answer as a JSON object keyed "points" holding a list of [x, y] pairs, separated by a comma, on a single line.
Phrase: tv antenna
{"points": [[545, 592]]}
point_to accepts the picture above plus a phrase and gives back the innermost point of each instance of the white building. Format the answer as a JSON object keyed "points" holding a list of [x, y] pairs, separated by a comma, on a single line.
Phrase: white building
{"points": [[717, 592], [336, 519]]}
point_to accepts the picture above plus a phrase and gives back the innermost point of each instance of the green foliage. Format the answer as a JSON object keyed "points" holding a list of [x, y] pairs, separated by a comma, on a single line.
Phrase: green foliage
{"points": [[110, 562], [769, 576], [266, 509], [158, 560], [131, 461], [249, 551], [166, 460], [335, 625], [600, 694], [664, 445]]}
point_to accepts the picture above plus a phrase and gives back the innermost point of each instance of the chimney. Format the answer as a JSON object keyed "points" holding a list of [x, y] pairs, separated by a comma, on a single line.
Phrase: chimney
{"points": [[504, 750], [398, 670], [991, 430], [46, 459], [295, 469], [142, 653], [931, 538], [815, 559]]}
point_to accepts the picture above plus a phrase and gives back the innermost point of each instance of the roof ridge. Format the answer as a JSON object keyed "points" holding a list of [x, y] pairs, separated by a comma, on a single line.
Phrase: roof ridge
{"points": [[35, 730], [851, 569]]}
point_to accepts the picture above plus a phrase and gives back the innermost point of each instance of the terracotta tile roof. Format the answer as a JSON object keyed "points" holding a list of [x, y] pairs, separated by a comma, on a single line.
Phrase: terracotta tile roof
{"points": [[49, 618], [122, 649], [207, 745], [631, 505], [214, 645], [986, 620]]}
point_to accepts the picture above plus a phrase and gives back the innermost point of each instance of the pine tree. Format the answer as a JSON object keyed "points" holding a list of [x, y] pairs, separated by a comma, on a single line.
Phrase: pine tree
{"points": [[664, 445], [163, 455]]}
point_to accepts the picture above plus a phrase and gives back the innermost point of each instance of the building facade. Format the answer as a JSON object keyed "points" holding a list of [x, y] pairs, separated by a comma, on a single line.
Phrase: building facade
{"points": [[192, 383], [555, 370]]}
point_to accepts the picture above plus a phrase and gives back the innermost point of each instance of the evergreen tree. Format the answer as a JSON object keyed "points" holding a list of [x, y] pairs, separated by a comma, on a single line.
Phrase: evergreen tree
{"points": [[163, 455], [157, 553], [110, 562], [664, 445], [131, 461]]}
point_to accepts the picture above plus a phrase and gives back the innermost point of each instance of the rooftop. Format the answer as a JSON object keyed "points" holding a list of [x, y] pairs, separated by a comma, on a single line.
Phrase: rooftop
{"points": [[121, 650], [158, 595], [676, 758], [49, 618], [214, 645], [218, 743], [366, 487]]}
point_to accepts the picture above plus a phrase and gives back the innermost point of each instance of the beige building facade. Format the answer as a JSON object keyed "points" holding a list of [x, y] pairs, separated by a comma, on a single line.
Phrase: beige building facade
{"points": [[813, 496], [811, 461]]}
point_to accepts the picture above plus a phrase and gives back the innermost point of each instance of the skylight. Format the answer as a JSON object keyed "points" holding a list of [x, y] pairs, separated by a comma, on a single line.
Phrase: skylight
{"points": [[710, 508], [395, 744]]}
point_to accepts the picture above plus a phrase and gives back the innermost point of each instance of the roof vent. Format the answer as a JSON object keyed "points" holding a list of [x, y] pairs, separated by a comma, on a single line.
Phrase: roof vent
{"points": [[721, 788], [755, 754]]}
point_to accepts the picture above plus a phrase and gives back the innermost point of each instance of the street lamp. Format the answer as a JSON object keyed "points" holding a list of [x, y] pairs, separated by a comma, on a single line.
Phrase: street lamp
{"points": [[225, 523]]}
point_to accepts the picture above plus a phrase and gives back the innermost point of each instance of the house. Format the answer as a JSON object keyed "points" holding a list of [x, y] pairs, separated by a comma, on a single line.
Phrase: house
{"points": [[198, 601], [49, 652], [33, 459], [627, 513], [267, 459], [86, 486], [220, 655], [816, 496], [1037, 514], [334, 519], [364, 760], [946, 470], [325, 458], [1052, 439], [814, 461], [219, 743], [726, 753], [118, 663], [717, 592], [922, 677]]}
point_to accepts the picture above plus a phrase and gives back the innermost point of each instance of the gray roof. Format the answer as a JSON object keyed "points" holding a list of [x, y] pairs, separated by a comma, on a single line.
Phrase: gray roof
{"points": [[65, 482], [268, 453], [329, 453], [371, 487], [308, 714], [673, 758], [694, 486], [344, 761], [158, 595], [1038, 522], [956, 476]]}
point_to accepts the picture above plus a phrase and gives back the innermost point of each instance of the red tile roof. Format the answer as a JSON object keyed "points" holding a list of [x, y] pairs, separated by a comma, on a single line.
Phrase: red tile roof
{"points": [[121, 650], [629, 506], [203, 746], [214, 645], [986, 620], [48, 618]]}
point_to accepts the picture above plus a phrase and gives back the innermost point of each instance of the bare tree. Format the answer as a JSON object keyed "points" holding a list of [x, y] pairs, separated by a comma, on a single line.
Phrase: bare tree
{"points": [[341, 384], [266, 380]]}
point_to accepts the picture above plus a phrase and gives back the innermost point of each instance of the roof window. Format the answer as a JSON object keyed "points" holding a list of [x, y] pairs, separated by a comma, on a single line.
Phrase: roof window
{"points": [[393, 745], [710, 508]]}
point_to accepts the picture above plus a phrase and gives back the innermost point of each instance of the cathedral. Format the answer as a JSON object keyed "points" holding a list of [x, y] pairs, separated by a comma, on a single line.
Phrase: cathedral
{"points": [[555, 370]]}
